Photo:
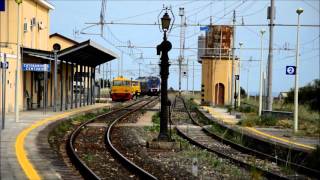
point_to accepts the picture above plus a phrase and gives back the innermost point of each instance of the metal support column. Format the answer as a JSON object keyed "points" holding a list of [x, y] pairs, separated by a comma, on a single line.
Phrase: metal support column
{"points": [[55, 82], [61, 86], [51, 83], [81, 85], [77, 85], [67, 85], [4, 80], [91, 88], [94, 84], [71, 84], [88, 85]]}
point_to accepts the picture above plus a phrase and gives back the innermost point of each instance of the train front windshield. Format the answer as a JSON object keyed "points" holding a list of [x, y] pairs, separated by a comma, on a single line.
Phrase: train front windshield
{"points": [[121, 83], [135, 83]]}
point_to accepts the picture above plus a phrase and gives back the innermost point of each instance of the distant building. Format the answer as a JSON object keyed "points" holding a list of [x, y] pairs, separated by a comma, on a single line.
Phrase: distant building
{"points": [[217, 65], [282, 95]]}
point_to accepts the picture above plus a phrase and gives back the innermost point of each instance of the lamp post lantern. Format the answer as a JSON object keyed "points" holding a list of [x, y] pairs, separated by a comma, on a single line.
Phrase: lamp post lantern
{"points": [[296, 89], [162, 50]]}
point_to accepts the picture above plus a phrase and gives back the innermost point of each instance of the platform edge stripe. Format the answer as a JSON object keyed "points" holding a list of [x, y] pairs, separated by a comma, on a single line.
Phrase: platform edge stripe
{"points": [[21, 154], [280, 139]]}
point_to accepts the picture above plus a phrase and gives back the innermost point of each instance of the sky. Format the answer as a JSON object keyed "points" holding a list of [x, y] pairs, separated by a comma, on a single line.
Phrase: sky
{"points": [[71, 16]]}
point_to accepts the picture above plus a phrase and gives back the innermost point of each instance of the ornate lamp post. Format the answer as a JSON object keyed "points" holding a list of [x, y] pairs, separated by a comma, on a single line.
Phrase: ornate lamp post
{"points": [[163, 49]]}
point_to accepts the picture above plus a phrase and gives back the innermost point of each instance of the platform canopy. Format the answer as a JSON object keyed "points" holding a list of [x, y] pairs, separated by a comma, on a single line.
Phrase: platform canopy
{"points": [[86, 53]]}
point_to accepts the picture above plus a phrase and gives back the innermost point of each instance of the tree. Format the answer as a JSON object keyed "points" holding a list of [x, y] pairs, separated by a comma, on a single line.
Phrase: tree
{"points": [[309, 95]]}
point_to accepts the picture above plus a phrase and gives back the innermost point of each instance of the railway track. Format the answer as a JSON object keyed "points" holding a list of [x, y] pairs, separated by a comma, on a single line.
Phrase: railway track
{"points": [[188, 128], [91, 151]]}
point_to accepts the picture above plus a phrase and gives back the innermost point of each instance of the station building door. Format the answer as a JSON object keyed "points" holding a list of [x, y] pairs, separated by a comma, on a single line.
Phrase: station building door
{"points": [[219, 94], [34, 90]]}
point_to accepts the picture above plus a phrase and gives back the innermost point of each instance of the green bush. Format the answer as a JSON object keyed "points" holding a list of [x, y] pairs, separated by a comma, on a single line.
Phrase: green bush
{"points": [[249, 121], [246, 109], [309, 95], [268, 120]]}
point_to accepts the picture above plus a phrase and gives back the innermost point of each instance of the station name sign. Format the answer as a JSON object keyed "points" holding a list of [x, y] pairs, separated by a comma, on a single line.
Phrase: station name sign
{"points": [[36, 67]]}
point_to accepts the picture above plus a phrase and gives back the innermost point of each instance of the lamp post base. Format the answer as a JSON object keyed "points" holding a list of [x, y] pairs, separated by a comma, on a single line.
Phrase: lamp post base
{"points": [[163, 137]]}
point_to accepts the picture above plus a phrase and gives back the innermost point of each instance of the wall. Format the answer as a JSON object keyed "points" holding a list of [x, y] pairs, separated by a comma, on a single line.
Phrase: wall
{"points": [[64, 43], [216, 71], [37, 38]]}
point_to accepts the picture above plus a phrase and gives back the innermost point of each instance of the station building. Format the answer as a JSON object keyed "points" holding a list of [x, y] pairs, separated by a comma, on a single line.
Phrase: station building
{"points": [[76, 61], [215, 55]]}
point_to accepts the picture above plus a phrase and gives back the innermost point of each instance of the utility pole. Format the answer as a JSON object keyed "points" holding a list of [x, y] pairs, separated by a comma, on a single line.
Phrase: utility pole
{"points": [[187, 75], [261, 72], [233, 57], [239, 70], [139, 70], [271, 14], [110, 71], [181, 57], [192, 77], [248, 76]]}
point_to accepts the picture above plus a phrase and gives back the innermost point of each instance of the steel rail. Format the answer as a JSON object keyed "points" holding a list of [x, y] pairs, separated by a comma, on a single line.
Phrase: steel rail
{"points": [[248, 166], [79, 164], [125, 161], [299, 168]]}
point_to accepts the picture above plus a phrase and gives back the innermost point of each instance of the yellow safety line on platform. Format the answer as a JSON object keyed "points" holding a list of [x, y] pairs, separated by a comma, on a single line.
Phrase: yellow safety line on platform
{"points": [[21, 154], [254, 130], [278, 138]]}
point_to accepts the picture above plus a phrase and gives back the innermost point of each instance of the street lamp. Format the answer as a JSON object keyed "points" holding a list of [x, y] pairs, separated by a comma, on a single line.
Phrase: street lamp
{"points": [[239, 70], [163, 49], [296, 90], [261, 73]]}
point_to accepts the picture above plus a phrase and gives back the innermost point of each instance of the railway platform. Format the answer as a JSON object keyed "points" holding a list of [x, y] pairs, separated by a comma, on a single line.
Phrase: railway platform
{"points": [[20, 157], [274, 135]]}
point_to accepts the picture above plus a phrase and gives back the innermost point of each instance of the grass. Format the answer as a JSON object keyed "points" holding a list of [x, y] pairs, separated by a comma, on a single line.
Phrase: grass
{"points": [[155, 123], [88, 157], [309, 121], [216, 163]]}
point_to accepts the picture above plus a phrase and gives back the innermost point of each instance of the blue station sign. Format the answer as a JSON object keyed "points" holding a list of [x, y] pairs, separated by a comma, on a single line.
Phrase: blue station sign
{"points": [[204, 28], [4, 65], [290, 70], [36, 67], [2, 5]]}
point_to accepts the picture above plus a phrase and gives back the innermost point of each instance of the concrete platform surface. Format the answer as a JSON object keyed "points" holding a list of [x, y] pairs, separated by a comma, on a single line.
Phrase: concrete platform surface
{"points": [[283, 136], [18, 143]]}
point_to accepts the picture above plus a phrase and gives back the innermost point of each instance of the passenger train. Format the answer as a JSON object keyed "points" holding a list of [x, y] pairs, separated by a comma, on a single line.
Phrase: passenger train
{"points": [[123, 89], [150, 85]]}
